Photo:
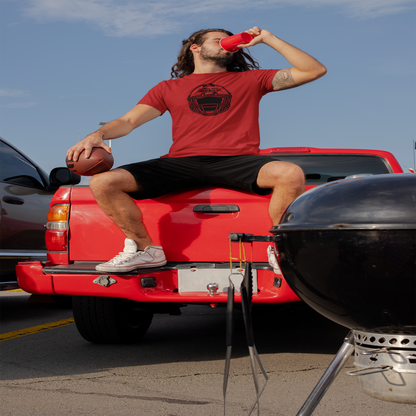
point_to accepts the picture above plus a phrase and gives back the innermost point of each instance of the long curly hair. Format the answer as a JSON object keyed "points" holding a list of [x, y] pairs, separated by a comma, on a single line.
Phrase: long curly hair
{"points": [[185, 65]]}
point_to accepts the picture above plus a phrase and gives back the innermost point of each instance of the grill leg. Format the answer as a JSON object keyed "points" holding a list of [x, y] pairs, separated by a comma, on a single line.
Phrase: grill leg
{"points": [[329, 376]]}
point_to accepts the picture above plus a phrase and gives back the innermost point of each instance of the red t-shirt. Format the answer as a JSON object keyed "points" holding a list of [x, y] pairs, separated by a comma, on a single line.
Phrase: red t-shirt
{"points": [[213, 114]]}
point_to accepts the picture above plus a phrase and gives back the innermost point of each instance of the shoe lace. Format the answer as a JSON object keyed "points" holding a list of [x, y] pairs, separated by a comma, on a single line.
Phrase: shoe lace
{"points": [[124, 257]]}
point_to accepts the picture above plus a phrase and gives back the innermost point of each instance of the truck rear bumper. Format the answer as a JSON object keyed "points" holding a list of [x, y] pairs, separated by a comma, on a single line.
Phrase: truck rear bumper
{"points": [[31, 279], [150, 285]]}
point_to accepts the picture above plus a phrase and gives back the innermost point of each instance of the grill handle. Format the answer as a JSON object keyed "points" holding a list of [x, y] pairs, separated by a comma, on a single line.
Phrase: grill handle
{"points": [[249, 238]]}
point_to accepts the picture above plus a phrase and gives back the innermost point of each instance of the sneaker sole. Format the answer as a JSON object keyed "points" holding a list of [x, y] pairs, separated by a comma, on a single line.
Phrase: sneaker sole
{"points": [[124, 269]]}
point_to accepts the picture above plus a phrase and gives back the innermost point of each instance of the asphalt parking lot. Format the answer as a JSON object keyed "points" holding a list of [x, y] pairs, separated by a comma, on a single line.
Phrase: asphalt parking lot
{"points": [[177, 369]]}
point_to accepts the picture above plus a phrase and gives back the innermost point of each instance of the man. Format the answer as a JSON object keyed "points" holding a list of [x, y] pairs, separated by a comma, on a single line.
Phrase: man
{"points": [[213, 98]]}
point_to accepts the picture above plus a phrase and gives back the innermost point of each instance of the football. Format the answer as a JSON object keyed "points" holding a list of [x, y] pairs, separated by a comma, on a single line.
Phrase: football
{"points": [[99, 161]]}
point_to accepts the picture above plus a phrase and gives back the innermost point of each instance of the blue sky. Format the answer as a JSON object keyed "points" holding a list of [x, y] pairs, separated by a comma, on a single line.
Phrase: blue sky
{"points": [[67, 65]]}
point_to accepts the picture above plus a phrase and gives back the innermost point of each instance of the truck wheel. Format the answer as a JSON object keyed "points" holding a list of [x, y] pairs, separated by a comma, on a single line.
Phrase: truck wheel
{"points": [[110, 320]]}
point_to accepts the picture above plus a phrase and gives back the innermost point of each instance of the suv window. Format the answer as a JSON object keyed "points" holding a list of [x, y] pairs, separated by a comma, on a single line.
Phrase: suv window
{"points": [[326, 168], [16, 169]]}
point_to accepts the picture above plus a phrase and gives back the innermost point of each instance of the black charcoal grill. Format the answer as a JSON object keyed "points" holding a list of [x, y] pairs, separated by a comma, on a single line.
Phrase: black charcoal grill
{"points": [[348, 250]]}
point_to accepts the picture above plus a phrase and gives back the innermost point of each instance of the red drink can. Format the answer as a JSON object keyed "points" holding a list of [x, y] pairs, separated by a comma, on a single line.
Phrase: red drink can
{"points": [[231, 43]]}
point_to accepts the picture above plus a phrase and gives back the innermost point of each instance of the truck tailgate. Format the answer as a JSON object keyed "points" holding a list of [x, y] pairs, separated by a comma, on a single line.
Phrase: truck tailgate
{"points": [[190, 226]]}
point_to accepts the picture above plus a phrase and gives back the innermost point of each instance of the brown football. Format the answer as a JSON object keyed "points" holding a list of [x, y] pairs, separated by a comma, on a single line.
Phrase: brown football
{"points": [[99, 161]]}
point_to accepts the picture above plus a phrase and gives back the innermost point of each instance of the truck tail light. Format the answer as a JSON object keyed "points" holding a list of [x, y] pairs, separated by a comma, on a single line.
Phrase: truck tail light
{"points": [[56, 236]]}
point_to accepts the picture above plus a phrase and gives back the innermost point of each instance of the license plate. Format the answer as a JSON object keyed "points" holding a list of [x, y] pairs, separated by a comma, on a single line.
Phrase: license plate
{"points": [[196, 279]]}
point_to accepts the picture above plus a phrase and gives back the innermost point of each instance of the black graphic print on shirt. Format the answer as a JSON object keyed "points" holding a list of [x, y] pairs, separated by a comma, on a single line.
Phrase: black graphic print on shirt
{"points": [[209, 100]]}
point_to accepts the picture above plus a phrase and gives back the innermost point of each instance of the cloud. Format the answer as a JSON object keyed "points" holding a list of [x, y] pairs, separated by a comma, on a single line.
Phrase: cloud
{"points": [[116, 18], [12, 93], [363, 9], [21, 105], [144, 18]]}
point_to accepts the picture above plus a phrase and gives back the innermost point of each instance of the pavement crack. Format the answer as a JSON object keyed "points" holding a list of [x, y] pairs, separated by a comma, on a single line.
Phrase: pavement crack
{"points": [[49, 379], [123, 396]]}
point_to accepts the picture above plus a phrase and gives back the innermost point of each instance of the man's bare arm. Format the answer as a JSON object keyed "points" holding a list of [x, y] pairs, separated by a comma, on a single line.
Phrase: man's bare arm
{"points": [[305, 67], [114, 129], [283, 80]]}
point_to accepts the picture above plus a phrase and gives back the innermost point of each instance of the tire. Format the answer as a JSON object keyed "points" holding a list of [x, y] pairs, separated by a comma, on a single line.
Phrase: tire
{"points": [[110, 320]]}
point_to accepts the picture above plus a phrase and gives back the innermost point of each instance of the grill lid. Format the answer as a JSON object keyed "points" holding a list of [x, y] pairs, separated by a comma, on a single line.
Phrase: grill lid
{"points": [[371, 202]]}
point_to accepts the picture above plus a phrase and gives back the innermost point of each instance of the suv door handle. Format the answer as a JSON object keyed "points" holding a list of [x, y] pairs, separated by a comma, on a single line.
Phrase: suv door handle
{"points": [[13, 200], [216, 209]]}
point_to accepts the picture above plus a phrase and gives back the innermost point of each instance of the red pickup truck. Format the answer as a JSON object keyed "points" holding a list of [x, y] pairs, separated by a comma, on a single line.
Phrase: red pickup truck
{"points": [[193, 227]]}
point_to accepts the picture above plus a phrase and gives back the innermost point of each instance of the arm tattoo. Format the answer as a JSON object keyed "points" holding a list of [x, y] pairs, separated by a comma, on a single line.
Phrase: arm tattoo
{"points": [[283, 80]]}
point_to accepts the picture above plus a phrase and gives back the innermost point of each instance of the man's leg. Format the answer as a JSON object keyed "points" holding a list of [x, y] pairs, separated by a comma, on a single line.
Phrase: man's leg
{"points": [[110, 189], [287, 182]]}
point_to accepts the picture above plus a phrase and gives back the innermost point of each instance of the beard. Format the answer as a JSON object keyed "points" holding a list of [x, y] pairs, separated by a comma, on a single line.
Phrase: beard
{"points": [[220, 58]]}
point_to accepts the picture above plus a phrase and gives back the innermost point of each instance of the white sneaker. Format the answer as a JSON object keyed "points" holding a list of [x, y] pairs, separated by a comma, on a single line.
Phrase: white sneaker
{"points": [[130, 259], [272, 255]]}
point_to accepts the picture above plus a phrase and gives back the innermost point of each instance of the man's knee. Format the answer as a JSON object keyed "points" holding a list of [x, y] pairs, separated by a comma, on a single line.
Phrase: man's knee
{"points": [[281, 174], [101, 182], [296, 174], [117, 180]]}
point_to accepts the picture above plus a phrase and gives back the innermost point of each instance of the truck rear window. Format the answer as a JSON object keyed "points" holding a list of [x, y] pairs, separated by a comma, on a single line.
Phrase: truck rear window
{"points": [[326, 168]]}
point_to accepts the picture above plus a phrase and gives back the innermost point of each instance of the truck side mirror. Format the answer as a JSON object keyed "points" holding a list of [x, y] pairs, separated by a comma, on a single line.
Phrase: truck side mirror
{"points": [[63, 176]]}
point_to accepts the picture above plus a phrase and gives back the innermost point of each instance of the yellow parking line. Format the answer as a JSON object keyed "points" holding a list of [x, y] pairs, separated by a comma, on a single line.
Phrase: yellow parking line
{"points": [[35, 329]]}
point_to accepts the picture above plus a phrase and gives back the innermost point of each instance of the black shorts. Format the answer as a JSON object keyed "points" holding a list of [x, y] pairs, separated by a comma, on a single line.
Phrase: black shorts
{"points": [[164, 175]]}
